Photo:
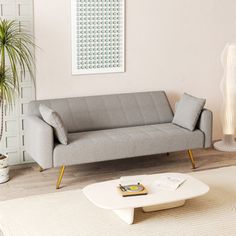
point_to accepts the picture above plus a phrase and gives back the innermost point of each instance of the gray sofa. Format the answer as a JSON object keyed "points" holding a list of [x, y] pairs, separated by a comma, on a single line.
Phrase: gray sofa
{"points": [[111, 127]]}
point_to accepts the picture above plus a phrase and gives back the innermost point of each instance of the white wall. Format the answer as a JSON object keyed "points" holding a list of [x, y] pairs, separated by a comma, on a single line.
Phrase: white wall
{"points": [[172, 45]]}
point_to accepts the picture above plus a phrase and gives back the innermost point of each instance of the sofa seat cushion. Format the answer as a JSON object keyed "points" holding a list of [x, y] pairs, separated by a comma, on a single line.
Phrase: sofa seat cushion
{"points": [[93, 146]]}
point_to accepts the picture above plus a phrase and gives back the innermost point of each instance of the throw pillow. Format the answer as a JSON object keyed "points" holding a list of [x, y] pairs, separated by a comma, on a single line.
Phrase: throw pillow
{"points": [[53, 118], [188, 111]]}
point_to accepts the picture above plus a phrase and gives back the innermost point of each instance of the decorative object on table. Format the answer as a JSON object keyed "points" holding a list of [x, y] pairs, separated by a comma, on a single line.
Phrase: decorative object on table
{"points": [[15, 60], [98, 36], [228, 89], [132, 190], [130, 186], [4, 169]]}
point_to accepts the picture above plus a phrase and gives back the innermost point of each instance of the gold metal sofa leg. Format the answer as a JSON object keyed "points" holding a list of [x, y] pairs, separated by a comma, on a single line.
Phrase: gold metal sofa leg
{"points": [[190, 154], [62, 170], [41, 169]]}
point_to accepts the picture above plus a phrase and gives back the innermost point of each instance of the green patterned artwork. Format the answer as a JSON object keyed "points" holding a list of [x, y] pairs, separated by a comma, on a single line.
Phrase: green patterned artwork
{"points": [[97, 36]]}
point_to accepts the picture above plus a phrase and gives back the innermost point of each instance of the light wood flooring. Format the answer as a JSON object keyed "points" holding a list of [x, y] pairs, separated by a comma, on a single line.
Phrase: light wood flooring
{"points": [[26, 180]]}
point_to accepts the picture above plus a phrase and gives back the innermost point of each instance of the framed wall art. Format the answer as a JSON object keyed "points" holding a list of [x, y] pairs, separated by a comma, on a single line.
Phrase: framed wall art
{"points": [[98, 36]]}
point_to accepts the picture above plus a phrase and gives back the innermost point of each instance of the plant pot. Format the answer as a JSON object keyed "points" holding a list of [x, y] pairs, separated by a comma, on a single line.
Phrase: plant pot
{"points": [[4, 169]]}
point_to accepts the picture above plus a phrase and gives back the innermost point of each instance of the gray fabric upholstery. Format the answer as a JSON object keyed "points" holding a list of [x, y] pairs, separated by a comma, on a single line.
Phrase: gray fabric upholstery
{"points": [[93, 146], [53, 118], [205, 125], [39, 141], [111, 127], [188, 111], [109, 111]]}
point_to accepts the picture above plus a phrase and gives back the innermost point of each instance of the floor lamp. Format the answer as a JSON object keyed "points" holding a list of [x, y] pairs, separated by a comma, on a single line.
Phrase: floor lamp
{"points": [[228, 88]]}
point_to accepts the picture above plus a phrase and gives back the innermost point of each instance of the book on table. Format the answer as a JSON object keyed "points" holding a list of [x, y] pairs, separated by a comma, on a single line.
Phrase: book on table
{"points": [[169, 182]]}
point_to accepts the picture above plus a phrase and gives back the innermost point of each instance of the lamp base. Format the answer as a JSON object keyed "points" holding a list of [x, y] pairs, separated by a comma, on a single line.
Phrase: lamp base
{"points": [[227, 144]]}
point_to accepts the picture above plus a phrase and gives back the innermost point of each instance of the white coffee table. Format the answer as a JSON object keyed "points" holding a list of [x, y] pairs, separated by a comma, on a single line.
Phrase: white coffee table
{"points": [[105, 195]]}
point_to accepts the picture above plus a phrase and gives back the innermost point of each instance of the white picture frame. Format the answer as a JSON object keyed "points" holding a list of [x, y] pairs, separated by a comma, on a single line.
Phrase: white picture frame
{"points": [[97, 36]]}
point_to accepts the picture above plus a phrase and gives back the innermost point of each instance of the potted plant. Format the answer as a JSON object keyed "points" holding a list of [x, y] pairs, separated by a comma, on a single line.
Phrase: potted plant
{"points": [[16, 58]]}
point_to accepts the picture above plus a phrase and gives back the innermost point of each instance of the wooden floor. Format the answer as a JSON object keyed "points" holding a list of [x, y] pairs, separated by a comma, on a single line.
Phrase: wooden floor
{"points": [[26, 180]]}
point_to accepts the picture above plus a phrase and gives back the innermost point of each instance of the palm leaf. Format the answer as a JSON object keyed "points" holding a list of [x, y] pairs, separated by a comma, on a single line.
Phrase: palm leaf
{"points": [[15, 43], [16, 58]]}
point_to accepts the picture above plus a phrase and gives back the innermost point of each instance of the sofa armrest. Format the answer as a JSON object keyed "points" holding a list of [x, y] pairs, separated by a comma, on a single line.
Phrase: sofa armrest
{"points": [[205, 123], [39, 141]]}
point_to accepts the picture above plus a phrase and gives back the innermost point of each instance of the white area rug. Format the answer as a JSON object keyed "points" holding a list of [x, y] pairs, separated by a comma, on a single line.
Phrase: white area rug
{"points": [[71, 214]]}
